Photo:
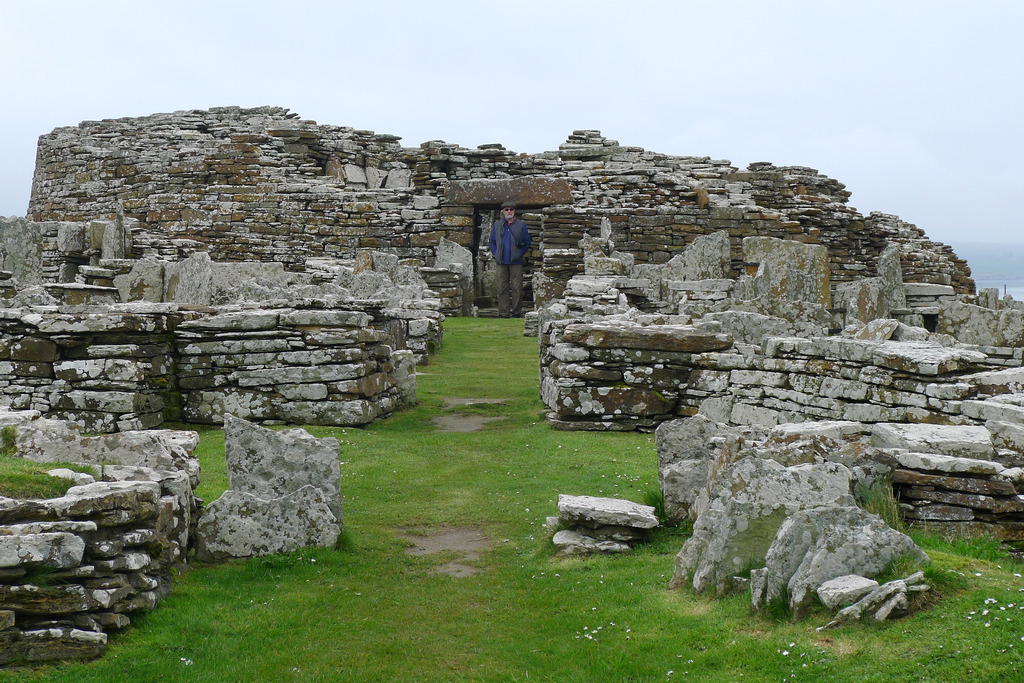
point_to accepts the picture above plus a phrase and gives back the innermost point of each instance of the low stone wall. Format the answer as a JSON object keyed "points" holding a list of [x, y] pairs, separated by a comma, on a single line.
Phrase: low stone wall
{"points": [[74, 568], [616, 374], [108, 369], [620, 376], [133, 366], [300, 366], [831, 378]]}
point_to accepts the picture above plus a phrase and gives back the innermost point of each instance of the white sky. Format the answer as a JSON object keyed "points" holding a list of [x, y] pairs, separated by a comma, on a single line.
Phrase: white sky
{"points": [[915, 105]]}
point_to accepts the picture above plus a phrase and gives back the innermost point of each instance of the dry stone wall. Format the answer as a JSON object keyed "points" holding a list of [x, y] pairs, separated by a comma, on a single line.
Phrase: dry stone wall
{"points": [[74, 568], [622, 374], [300, 366], [263, 184], [133, 366]]}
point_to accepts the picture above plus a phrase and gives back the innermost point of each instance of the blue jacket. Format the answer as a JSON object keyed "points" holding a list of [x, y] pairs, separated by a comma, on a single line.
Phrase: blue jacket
{"points": [[508, 243]]}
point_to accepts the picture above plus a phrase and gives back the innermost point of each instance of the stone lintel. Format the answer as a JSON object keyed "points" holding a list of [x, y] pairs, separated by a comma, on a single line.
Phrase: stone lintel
{"points": [[523, 191]]}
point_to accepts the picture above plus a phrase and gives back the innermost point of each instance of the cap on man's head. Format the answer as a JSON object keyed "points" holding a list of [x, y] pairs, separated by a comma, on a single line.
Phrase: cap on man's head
{"points": [[508, 205]]}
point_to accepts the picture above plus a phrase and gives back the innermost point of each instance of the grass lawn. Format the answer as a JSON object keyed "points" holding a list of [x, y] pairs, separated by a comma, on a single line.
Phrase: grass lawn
{"points": [[369, 611]]}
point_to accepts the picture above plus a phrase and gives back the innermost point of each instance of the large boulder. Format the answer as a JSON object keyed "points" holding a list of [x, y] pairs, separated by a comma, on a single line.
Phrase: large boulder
{"points": [[820, 544], [745, 506]]}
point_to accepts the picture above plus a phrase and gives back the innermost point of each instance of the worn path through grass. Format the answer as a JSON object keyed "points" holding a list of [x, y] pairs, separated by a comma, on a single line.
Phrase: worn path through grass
{"points": [[371, 611]]}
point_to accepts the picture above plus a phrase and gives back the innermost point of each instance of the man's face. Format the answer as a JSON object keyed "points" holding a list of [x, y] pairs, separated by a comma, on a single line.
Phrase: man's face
{"points": [[509, 213]]}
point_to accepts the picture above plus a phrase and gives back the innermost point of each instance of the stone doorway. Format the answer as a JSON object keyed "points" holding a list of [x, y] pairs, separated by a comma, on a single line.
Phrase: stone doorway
{"points": [[484, 217], [484, 197]]}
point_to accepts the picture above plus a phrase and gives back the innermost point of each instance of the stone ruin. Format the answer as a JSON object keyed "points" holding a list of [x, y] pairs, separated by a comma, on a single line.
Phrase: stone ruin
{"points": [[668, 289], [133, 366], [780, 415], [264, 185], [244, 209], [74, 568]]}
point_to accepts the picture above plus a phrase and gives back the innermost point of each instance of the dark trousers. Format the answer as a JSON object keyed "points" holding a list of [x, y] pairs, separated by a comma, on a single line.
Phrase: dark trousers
{"points": [[510, 290]]}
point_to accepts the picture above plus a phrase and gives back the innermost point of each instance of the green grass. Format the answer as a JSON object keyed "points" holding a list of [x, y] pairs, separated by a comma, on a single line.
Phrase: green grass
{"points": [[20, 478], [370, 612]]}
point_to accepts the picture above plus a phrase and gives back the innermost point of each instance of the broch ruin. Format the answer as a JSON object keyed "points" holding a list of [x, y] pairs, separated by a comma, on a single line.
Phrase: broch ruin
{"points": [[243, 266]]}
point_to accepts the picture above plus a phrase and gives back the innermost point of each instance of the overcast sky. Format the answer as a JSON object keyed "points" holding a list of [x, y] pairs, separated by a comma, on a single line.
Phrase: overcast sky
{"points": [[915, 106]]}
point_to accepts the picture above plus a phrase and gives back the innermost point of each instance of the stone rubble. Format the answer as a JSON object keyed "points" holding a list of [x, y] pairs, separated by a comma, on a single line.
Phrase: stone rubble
{"points": [[816, 545], [883, 602], [755, 502], [743, 507]]}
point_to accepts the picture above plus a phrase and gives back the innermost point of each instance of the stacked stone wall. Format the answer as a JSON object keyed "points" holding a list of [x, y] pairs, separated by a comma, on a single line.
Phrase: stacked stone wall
{"points": [[300, 366], [622, 375], [261, 184], [110, 370], [74, 568], [133, 366]]}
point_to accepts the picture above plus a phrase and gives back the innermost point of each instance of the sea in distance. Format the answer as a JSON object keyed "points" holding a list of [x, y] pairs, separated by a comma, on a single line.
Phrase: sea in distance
{"points": [[999, 265]]}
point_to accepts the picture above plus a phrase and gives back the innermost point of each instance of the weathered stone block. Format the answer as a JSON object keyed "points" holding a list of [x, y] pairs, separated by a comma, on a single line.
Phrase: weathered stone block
{"points": [[536, 191], [271, 464], [678, 338], [594, 512], [57, 550], [959, 441], [240, 524]]}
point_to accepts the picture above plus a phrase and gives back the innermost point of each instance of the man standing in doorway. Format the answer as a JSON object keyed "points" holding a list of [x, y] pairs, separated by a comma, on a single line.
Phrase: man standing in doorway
{"points": [[509, 241]]}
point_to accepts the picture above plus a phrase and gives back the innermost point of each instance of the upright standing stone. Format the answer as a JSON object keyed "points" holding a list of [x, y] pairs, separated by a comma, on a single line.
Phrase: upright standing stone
{"points": [[284, 494], [789, 270], [21, 250]]}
